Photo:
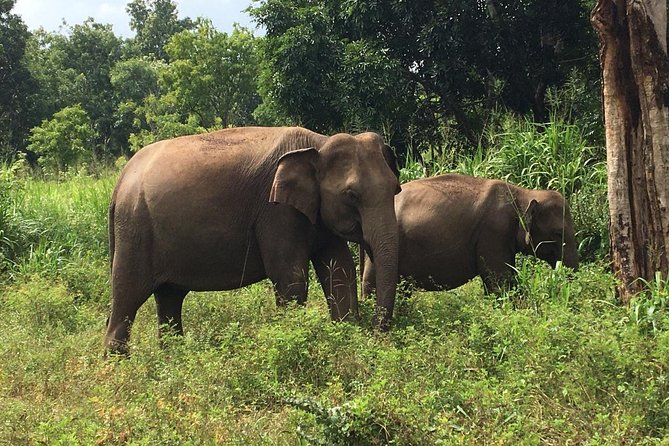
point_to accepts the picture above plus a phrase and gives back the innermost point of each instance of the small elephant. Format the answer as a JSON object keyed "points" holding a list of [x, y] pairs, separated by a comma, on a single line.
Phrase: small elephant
{"points": [[222, 210], [456, 227]]}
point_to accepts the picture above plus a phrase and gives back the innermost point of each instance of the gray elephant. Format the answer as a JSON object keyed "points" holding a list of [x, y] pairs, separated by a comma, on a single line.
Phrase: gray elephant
{"points": [[456, 227], [222, 210]]}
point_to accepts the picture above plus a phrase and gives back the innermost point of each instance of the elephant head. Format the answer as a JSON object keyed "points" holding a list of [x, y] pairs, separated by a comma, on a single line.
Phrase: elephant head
{"points": [[546, 229], [348, 186]]}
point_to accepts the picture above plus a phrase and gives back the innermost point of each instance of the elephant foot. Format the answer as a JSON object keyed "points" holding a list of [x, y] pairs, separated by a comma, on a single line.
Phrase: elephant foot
{"points": [[115, 348], [382, 319]]}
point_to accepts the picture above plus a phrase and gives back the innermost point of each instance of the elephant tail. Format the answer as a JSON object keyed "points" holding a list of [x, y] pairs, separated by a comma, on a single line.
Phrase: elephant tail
{"points": [[112, 210]]}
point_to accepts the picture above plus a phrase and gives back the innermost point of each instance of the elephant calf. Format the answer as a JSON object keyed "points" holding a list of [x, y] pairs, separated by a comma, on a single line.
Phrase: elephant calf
{"points": [[453, 228]]}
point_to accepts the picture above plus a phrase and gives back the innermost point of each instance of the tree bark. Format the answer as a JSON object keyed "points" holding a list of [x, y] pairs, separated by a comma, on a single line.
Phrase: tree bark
{"points": [[635, 79]]}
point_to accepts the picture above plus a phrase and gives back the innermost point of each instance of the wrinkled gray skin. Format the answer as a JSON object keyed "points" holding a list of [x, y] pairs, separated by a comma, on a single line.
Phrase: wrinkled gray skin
{"points": [[222, 210], [456, 227]]}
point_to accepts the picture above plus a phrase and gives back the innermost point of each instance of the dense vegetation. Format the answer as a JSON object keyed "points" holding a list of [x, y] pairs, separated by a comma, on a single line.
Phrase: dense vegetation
{"points": [[426, 75], [556, 360]]}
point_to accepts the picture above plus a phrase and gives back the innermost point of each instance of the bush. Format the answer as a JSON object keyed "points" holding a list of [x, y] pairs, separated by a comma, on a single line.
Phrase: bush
{"points": [[553, 156], [65, 140], [650, 309]]}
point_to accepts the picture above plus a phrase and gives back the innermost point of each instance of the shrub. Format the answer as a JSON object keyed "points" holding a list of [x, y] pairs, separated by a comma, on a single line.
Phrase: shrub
{"points": [[553, 156], [650, 309], [65, 140]]}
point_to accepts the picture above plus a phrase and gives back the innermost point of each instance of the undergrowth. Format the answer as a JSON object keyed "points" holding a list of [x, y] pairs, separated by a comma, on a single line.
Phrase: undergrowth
{"points": [[555, 360]]}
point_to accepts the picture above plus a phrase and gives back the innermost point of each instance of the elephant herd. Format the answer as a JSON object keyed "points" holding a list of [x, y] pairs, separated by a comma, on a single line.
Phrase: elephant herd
{"points": [[222, 210]]}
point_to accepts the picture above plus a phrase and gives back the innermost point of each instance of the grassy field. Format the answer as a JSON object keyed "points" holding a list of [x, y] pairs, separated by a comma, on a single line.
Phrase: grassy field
{"points": [[555, 361]]}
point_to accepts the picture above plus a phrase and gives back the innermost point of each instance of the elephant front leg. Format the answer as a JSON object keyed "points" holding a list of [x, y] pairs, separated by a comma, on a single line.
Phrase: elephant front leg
{"points": [[496, 268], [335, 268], [285, 238], [288, 269]]}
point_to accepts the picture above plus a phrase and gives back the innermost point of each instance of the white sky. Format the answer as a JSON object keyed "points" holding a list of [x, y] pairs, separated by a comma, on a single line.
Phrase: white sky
{"points": [[50, 14]]}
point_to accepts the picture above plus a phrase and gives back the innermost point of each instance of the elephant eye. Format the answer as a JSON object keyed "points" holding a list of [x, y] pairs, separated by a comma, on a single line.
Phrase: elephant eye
{"points": [[351, 195]]}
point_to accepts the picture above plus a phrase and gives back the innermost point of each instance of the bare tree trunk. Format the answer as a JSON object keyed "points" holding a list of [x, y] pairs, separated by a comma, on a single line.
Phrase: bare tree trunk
{"points": [[635, 79]]}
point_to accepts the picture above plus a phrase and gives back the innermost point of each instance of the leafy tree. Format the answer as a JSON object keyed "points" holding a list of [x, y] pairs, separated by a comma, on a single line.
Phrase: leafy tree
{"points": [[301, 56], [314, 74], [158, 118], [133, 80], [58, 86], [456, 60], [76, 69], [64, 140], [91, 52], [16, 82], [154, 22], [213, 75]]}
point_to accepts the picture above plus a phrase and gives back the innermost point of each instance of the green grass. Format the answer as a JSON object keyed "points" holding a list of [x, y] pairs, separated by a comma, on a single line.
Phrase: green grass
{"points": [[554, 361], [459, 367]]}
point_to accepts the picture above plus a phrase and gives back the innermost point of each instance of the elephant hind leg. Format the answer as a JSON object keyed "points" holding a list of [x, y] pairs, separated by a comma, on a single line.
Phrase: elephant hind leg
{"points": [[126, 300], [169, 302], [131, 287]]}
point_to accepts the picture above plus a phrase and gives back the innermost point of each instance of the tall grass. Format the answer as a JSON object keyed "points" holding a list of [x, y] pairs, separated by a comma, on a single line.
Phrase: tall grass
{"points": [[545, 156], [73, 211], [553, 361], [55, 228]]}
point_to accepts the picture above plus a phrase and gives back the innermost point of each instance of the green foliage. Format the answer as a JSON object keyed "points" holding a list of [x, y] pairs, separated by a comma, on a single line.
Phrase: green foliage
{"points": [[554, 361], [134, 80], [299, 56], [650, 309], [8, 229], [213, 75], [52, 228], [74, 70], [328, 81], [159, 118], [154, 22], [17, 84], [90, 53], [552, 156], [64, 140], [424, 67]]}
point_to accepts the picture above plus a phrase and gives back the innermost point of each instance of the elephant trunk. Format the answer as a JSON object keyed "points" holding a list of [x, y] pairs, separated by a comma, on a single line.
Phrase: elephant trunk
{"points": [[381, 235], [570, 253]]}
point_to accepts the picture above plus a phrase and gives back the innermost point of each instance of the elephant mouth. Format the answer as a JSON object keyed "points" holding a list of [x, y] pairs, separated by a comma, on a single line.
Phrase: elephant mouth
{"points": [[352, 234]]}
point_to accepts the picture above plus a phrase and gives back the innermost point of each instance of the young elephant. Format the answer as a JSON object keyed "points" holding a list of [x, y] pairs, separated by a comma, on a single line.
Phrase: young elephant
{"points": [[455, 227]]}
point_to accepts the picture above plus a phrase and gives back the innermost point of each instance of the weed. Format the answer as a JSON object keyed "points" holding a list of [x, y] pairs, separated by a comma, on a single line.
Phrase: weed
{"points": [[650, 309]]}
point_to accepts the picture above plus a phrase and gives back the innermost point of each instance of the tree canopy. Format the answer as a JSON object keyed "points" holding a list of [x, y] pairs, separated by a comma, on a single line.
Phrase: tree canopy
{"points": [[424, 74]]}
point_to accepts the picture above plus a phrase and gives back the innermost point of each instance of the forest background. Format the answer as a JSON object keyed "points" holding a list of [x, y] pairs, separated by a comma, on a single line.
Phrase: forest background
{"points": [[495, 88]]}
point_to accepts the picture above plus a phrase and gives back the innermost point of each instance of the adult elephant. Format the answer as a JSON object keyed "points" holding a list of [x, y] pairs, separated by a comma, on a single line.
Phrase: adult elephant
{"points": [[455, 227], [222, 210]]}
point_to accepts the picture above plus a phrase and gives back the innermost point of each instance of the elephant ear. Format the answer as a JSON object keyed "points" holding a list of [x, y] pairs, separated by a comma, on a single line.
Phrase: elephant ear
{"points": [[528, 218], [295, 182], [391, 160]]}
